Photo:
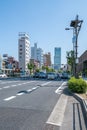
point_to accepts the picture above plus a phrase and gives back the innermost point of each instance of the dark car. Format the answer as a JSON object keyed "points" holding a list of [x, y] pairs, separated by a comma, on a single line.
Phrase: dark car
{"points": [[36, 75]]}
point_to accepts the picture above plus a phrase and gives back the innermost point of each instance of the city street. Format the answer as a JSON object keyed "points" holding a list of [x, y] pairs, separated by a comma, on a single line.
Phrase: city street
{"points": [[27, 104]]}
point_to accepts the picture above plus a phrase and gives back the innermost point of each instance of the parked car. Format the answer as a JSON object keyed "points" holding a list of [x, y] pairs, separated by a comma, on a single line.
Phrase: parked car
{"points": [[42, 75], [64, 76], [2, 75], [51, 75], [36, 75]]}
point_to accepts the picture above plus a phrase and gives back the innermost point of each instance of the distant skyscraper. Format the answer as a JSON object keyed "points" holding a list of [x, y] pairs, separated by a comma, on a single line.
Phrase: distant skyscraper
{"points": [[23, 51], [37, 54], [40, 56], [57, 58], [34, 52]]}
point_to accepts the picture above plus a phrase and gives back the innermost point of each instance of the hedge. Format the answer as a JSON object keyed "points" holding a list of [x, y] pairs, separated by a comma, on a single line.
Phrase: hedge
{"points": [[77, 85]]}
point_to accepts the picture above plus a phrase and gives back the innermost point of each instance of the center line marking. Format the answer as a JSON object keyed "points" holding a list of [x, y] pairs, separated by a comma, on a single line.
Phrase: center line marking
{"points": [[19, 94], [19, 84], [13, 85], [34, 88], [30, 90], [6, 87], [46, 83], [9, 98]]}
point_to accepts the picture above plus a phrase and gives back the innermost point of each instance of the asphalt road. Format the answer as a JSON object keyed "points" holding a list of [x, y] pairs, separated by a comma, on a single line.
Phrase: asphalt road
{"points": [[27, 104]]}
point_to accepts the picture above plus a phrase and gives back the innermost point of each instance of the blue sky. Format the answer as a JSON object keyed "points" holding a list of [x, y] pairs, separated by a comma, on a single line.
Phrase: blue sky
{"points": [[45, 22]]}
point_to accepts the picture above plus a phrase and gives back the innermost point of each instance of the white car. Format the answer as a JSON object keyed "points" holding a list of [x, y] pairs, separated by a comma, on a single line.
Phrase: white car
{"points": [[51, 75], [3, 75]]}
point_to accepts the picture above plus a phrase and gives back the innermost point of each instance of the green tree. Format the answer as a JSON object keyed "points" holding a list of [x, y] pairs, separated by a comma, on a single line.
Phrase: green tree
{"points": [[71, 59], [30, 67], [43, 67], [48, 69]]}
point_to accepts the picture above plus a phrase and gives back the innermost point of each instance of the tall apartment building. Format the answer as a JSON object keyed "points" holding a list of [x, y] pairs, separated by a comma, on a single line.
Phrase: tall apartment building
{"points": [[23, 51], [47, 59], [57, 58], [37, 54]]}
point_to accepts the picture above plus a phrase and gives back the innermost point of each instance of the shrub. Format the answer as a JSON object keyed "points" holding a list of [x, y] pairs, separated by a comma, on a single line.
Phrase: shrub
{"points": [[77, 85]]}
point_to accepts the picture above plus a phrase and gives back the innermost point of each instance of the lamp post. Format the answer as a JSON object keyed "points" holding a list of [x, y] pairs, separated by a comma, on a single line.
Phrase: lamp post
{"points": [[73, 41], [76, 26]]}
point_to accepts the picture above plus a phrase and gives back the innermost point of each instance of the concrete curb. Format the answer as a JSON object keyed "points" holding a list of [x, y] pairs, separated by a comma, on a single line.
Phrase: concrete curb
{"points": [[82, 101]]}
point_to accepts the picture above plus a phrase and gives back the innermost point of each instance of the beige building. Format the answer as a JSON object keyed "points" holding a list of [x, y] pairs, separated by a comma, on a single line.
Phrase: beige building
{"points": [[47, 59]]}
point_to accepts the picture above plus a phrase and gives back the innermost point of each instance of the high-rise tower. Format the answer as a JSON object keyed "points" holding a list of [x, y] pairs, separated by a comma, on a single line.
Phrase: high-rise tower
{"points": [[57, 58]]}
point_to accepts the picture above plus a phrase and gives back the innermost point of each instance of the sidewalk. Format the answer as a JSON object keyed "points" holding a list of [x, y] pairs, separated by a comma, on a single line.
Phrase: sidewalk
{"points": [[74, 119]]}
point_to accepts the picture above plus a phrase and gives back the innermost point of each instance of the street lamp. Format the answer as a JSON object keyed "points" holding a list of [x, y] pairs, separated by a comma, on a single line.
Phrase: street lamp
{"points": [[73, 41], [76, 26]]}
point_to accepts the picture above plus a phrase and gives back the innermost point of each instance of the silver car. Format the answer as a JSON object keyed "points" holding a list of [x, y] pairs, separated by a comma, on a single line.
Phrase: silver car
{"points": [[51, 75]]}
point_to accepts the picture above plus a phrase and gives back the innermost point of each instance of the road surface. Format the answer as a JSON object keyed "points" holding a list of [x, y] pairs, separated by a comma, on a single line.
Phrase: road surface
{"points": [[28, 104]]}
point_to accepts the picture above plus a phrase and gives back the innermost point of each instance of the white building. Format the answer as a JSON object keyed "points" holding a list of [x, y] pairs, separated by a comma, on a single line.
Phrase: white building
{"points": [[23, 51]]}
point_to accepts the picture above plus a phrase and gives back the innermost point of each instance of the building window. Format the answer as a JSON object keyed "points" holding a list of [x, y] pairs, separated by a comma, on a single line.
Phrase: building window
{"points": [[20, 45]]}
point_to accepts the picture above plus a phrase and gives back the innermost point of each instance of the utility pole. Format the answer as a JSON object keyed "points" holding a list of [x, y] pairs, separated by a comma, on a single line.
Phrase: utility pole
{"points": [[76, 24]]}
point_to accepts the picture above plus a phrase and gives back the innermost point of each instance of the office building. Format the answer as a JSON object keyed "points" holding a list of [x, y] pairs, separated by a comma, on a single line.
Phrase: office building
{"points": [[37, 54], [47, 59], [57, 58], [23, 51], [34, 52], [40, 56]]}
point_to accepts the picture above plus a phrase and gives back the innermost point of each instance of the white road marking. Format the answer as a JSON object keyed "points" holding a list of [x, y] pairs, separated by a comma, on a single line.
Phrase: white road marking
{"points": [[19, 84], [29, 90], [6, 87], [24, 83], [57, 115], [9, 82], [13, 85], [57, 90], [3, 83], [46, 83], [34, 88], [9, 98], [19, 94]]}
